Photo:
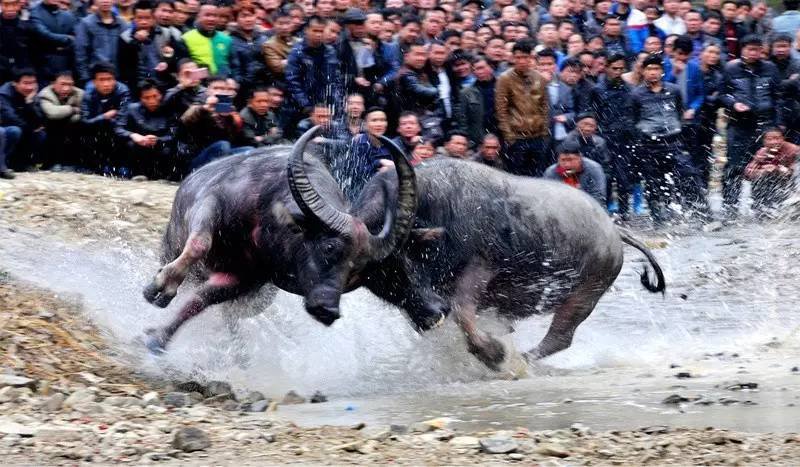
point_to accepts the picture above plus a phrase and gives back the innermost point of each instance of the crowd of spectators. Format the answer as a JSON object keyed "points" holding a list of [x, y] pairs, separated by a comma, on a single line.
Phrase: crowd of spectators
{"points": [[605, 96]]}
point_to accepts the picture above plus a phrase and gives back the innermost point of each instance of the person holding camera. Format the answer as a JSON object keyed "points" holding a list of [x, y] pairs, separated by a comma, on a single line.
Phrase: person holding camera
{"points": [[213, 129]]}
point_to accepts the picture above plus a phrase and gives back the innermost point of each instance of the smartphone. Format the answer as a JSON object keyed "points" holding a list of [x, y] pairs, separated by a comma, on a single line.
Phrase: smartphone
{"points": [[224, 104], [199, 74]]}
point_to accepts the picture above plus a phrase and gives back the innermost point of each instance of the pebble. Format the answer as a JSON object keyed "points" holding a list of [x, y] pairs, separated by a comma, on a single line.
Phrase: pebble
{"points": [[190, 386], [742, 387], [498, 445], [12, 428], [54, 402], [190, 439], [151, 398], [253, 396], [59, 434], [465, 442], [217, 388], [675, 399], [318, 397], [17, 382], [292, 397], [123, 401], [80, 396], [259, 406], [177, 399]]}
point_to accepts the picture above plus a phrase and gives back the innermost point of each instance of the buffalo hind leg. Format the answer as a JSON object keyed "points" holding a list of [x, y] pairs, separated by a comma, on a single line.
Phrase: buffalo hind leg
{"points": [[566, 319], [164, 285], [471, 285], [220, 287]]}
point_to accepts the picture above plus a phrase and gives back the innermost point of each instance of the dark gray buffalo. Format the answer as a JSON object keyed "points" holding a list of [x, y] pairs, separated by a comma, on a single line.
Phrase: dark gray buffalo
{"points": [[485, 239], [272, 217]]}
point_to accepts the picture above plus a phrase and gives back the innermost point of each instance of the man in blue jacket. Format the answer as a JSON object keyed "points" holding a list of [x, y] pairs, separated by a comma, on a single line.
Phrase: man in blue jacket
{"points": [[102, 109], [685, 72], [97, 38], [54, 39], [312, 70]]}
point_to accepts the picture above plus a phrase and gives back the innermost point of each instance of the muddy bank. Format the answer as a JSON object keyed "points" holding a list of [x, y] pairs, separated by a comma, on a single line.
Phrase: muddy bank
{"points": [[77, 401]]}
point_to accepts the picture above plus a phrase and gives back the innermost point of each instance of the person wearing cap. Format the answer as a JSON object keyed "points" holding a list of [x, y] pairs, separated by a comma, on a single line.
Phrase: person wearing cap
{"points": [[751, 93], [578, 172], [354, 53], [657, 112]]}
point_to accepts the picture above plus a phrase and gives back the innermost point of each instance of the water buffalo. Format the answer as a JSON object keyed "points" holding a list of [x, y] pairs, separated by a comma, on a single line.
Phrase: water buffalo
{"points": [[484, 238], [272, 216]]}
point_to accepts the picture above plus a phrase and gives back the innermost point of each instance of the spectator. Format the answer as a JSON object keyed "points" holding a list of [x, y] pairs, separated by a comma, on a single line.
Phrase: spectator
{"points": [[522, 113], [635, 24], [423, 151], [670, 22], [707, 126], [97, 39], [188, 91], [60, 106], [212, 129], [209, 47], [312, 71], [788, 22], [148, 51], [415, 92], [104, 104], [15, 39], [752, 110], [354, 113], [578, 172], [247, 68], [590, 144], [366, 154], [354, 52], [442, 77], [781, 57], [17, 109], [614, 40], [694, 30], [732, 30], [148, 132], [489, 152], [386, 60], [456, 145], [657, 112], [409, 131], [164, 15], [560, 90], [477, 116], [54, 31], [771, 170], [260, 117], [276, 49]]}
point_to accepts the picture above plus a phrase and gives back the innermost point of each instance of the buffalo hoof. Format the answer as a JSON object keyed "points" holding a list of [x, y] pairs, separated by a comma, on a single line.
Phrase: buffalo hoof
{"points": [[151, 292], [428, 322], [490, 352], [155, 341], [324, 315], [157, 295]]}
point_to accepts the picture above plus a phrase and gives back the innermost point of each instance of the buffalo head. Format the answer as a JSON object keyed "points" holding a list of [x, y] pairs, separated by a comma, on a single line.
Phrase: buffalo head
{"points": [[337, 244]]}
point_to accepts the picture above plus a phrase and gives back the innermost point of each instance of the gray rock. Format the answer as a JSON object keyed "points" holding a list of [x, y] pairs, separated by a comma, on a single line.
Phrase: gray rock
{"points": [[92, 408], [230, 405], [465, 442], [217, 399], [292, 397], [655, 429], [268, 437], [743, 387], [54, 402], [498, 445], [253, 396], [190, 439], [217, 388], [80, 396], [196, 397], [675, 399], [580, 429], [17, 382], [123, 401], [420, 428], [59, 434], [177, 399], [151, 398], [259, 406], [551, 450], [377, 433], [11, 394], [318, 397], [398, 429]]}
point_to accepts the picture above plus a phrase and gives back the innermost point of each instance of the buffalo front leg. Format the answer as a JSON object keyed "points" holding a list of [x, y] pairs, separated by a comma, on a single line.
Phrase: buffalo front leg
{"points": [[220, 287], [567, 317], [469, 288]]}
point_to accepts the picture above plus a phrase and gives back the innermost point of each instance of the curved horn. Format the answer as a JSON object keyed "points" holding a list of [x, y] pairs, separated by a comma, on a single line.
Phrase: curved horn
{"points": [[304, 194], [398, 222]]}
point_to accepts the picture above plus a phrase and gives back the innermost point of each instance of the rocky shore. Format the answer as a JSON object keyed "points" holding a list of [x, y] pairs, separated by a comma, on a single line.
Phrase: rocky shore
{"points": [[66, 399]]}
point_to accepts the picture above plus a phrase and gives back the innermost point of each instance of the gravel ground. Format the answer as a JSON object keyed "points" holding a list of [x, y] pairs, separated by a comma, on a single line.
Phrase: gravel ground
{"points": [[66, 400]]}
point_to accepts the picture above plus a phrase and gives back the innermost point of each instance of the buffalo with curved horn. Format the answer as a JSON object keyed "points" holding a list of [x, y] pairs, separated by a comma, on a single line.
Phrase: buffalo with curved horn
{"points": [[272, 216]]}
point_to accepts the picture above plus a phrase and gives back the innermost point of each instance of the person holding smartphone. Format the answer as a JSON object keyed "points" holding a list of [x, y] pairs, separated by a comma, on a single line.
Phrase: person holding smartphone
{"points": [[212, 129], [188, 91]]}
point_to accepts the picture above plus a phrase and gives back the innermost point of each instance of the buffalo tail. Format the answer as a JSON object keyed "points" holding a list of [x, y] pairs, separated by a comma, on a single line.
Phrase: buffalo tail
{"points": [[661, 285]]}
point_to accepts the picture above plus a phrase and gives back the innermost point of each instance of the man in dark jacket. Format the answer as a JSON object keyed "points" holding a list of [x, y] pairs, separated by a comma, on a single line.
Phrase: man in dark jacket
{"points": [[312, 70], [149, 51], [477, 103], [657, 112], [247, 67], [413, 92], [188, 91], [97, 38], [610, 100], [17, 109], [54, 44], [387, 61], [148, 130], [260, 117], [751, 93], [15, 37], [104, 104]]}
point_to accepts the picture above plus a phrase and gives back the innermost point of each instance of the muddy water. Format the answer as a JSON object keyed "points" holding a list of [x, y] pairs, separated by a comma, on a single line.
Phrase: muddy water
{"points": [[729, 316]]}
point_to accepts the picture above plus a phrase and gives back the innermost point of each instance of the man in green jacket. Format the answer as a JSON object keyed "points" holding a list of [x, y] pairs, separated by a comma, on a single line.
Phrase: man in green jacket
{"points": [[208, 47]]}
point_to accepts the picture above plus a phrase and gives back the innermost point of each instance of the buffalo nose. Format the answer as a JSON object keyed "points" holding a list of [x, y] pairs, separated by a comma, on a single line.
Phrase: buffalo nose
{"points": [[324, 314]]}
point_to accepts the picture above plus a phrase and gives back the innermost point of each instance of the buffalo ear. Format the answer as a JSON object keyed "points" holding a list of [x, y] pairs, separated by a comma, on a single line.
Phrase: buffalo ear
{"points": [[284, 217], [427, 235]]}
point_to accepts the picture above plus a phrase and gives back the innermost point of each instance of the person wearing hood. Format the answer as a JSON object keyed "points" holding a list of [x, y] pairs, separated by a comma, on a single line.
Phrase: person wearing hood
{"points": [[148, 51], [207, 46], [97, 38]]}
